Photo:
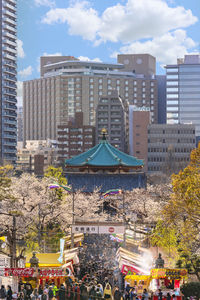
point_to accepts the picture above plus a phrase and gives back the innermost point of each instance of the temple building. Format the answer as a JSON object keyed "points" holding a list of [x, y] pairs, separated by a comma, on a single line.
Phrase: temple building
{"points": [[105, 167]]}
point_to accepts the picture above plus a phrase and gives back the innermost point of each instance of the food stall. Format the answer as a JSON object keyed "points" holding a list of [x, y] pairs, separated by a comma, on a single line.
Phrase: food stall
{"points": [[168, 280]]}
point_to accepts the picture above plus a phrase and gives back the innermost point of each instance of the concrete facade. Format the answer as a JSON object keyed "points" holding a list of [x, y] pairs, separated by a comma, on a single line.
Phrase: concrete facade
{"points": [[74, 86], [8, 70], [112, 114], [169, 147], [138, 133], [74, 138]]}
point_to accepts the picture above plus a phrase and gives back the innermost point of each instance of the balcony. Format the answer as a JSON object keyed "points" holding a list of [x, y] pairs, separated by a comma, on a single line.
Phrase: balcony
{"points": [[9, 107], [8, 56], [9, 6], [10, 21], [9, 71], [8, 34], [9, 93], [9, 13], [10, 78], [11, 129], [9, 136], [10, 28], [8, 49], [8, 143], [8, 42], [10, 100], [8, 150], [9, 63], [7, 121]]}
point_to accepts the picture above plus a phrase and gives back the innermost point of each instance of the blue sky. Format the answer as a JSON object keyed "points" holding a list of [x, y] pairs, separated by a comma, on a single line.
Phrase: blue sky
{"points": [[99, 29]]}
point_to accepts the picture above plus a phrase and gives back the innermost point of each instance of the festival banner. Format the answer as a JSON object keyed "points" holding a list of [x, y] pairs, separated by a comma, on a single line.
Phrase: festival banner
{"points": [[50, 272], [19, 272], [168, 273], [62, 244]]}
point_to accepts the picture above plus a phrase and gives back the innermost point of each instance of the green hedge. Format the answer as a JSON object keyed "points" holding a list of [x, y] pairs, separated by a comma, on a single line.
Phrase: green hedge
{"points": [[191, 289]]}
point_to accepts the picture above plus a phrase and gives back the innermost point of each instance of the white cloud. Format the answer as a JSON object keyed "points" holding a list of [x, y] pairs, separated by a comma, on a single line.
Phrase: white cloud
{"points": [[137, 19], [82, 19], [166, 48], [26, 72], [85, 58], [49, 3], [19, 93], [20, 50], [53, 54]]}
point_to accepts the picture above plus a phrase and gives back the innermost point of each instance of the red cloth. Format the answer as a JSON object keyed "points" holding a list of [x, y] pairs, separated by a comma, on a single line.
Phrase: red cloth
{"points": [[177, 284]]}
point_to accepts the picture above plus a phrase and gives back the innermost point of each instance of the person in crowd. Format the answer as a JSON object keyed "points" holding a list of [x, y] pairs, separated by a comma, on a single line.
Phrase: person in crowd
{"points": [[83, 291], [2, 292], [107, 291], [50, 293], [127, 291], [20, 296], [61, 292], [160, 294], [145, 295], [168, 296], [117, 294], [133, 294], [9, 293], [34, 295]]}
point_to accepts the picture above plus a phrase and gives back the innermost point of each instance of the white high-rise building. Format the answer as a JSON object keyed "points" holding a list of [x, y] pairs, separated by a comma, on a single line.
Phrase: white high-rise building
{"points": [[8, 69], [183, 92]]}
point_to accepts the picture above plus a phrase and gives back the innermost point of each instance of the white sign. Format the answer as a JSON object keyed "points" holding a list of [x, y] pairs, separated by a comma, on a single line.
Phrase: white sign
{"points": [[101, 229]]}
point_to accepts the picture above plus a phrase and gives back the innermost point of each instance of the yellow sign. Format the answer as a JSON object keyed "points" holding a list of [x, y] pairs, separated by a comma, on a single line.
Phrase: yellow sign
{"points": [[168, 273]]}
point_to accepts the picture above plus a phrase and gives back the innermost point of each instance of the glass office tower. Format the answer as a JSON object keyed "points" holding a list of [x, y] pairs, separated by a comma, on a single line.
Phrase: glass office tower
{"points": [[8, 120], [183, 92]]}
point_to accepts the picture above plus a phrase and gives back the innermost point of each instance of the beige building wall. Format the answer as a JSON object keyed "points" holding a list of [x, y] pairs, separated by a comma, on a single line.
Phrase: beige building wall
{"points": [[141, 120], [54, 100]]}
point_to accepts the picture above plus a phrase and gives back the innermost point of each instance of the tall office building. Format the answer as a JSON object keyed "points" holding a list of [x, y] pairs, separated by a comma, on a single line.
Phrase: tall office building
{"points": [[183, 92], [169, 147], [8, 69], [68, 85], [139, 119], [112, 115]]}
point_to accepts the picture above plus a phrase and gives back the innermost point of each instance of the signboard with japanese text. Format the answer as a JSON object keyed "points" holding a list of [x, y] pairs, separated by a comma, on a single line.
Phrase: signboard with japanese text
{"points": [[20, 272], [100, 229]]}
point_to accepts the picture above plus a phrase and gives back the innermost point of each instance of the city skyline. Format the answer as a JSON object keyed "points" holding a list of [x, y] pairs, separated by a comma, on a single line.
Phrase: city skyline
{"points": [[61, 28]]}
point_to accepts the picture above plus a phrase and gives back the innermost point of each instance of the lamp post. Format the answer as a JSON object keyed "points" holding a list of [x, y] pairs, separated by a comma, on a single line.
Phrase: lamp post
{"points": [[12, 244]]}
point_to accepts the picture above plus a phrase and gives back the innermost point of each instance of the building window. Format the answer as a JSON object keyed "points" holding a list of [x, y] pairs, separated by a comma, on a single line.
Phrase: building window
{"points": [[109, 87], [100, 87], [135, 94], [109, 81], [100, 80], [135, 89], [152, 83], [135, 82], [143, 89], [91, 80], [91, 86], [91, 98], [126, 94], [91, 92], [143, 95], [143, 83], [126, 82], [126, 88], [135, 101], [152, 90], [118, 81], [109, 93], [100, 93]]}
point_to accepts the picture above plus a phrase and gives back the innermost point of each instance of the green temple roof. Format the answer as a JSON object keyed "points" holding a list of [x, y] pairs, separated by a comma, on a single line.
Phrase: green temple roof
{"points": [[104, 155]]}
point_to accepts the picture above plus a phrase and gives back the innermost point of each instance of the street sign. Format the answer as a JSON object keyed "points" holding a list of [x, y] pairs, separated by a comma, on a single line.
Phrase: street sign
{"points": [[98, 229]]}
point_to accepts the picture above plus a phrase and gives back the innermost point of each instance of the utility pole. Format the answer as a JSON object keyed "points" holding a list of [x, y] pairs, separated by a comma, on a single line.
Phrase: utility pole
{"points": [[73, 219], [124, 220], [14, 250]]}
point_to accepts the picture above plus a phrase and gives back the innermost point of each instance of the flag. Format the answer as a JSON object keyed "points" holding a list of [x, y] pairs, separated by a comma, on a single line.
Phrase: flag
{"points": [[112, 192], [62, 244], [57, 186]]}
